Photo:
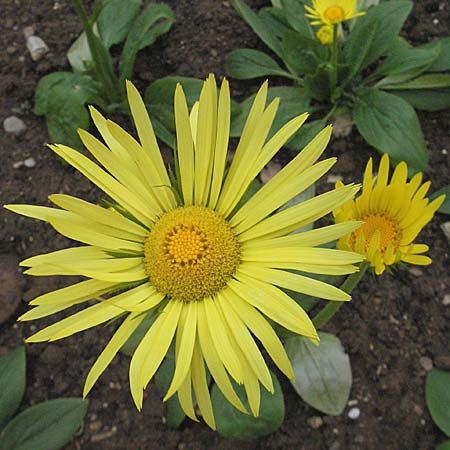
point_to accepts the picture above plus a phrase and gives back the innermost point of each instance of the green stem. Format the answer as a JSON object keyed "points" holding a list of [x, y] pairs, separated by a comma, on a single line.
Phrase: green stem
{"points": [[100, 56], [332, 307], [334, 59]]}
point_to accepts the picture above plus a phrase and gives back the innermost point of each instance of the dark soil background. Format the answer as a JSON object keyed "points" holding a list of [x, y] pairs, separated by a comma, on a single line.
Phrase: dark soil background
{"points": [[394, 328]]}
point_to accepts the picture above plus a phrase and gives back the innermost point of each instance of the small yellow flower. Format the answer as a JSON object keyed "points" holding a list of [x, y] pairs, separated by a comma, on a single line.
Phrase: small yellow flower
{"points": [[332, 12], [325, 35], [207, 267], [393, 214]]}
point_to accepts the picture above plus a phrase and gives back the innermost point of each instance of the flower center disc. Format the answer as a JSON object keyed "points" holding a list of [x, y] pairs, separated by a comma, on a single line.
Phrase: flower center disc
{"points": [[334, 14], [191, 253], [389, 231]]}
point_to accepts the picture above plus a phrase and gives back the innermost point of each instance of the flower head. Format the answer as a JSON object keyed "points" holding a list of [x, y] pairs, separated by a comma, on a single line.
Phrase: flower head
{"points": [[332, 12], [393, 214], [325, 35], [209, 267]]}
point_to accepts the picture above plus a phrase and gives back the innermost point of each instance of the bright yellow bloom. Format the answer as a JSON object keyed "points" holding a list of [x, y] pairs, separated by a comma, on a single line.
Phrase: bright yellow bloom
{"points": [[393, 213], [207, 266], [325, 35], [332, 12]]}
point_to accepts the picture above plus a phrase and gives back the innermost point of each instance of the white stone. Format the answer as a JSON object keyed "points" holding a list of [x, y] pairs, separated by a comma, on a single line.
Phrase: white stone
{"points": [[29, 163], [445, 227], [446, 300], [14, 125], [354, 413], [37, 47]]}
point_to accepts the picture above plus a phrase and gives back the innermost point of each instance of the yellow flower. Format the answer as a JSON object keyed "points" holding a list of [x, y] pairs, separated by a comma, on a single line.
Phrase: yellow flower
{"points": [[325, 35], [332, 12], [208, 266], [393, 213]]}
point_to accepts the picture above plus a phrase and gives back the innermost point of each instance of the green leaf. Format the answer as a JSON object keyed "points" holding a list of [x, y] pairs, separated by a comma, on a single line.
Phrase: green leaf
{"points": [[274, 21], [153, 21], [115, 19], [174, 414], [444, 446], [46, 426], [159, 97], [258, 26], [445, 207], [79, 53], [323, 375], [246, 64], [12, 383], [305, 134], [231, 423], [428, 81], [442, 63], [293, 102], [374, 34], [437, 396], [407, 64], [61, 96], [390, 125], [303, 54], [294, 12], [426, 99], [133, 341]]}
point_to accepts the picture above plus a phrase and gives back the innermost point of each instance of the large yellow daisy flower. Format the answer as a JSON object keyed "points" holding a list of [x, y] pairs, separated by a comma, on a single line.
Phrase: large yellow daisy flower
{"points": [[393, 213], [332, 12], [209, 266]]}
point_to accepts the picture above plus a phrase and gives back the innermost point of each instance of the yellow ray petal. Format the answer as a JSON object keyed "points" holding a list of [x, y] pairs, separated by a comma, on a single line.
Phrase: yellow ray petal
{"points": [[262, 330], [295, 282], [119, 338], [185, 397], [215, 364], [201, 387], [188, 323], [246, 342], [151, 350], [220, 338], [222, 138], [185, 146], [275, 304]]}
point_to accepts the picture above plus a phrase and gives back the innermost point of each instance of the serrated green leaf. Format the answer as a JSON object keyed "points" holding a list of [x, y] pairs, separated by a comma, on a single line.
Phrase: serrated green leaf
{"points": [[46, 426], [390, 125], [374, 33], [12, 383], [323, 375], [245, 64], [406, 65], [231, 423], [426, 99], [258, 26], [293, 102], [445, 207], [437, 396], [152, 22]]}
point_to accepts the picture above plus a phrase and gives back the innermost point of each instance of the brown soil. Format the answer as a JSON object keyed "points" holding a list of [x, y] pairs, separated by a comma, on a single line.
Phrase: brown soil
{"points": [[392, 322]]}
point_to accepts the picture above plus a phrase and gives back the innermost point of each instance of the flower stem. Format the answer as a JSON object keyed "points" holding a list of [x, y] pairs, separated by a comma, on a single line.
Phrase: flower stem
{"points": [[331, 308], [334, 59]]}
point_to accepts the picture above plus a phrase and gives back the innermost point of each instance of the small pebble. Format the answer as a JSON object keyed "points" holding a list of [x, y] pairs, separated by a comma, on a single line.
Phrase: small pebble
{"points": [[352, 402], [445, 227], [28, 32], [314, 422], [332, 179], [446, 300], [416, 271], [37, 47], [435, 21], [29, 162], [354, 413], [426, 363], [14, 125], [335, 446], [444, 151]]}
